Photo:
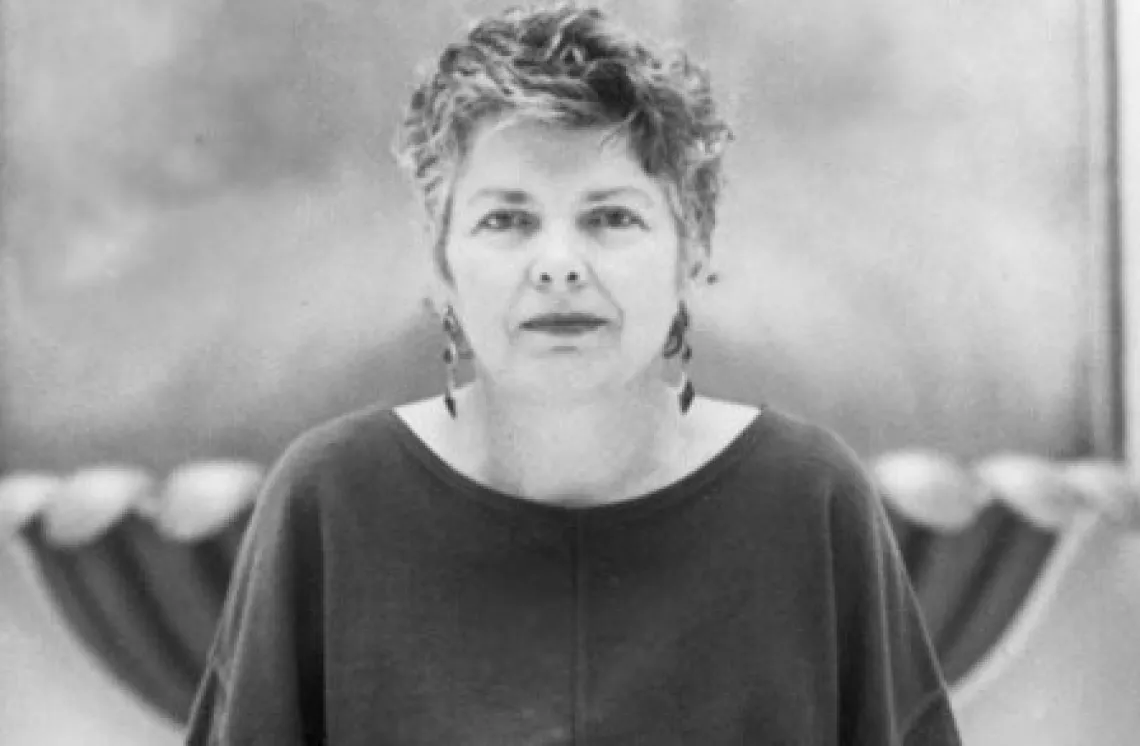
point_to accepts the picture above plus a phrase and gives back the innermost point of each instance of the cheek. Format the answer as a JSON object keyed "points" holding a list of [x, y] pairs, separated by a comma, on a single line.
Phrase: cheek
{"points": [[483, 294], [650, 270], [476, 273], [649, 301]]}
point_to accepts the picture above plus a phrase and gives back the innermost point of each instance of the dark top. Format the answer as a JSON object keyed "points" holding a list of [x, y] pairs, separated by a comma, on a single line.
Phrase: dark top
{"points": [[382, 598]]}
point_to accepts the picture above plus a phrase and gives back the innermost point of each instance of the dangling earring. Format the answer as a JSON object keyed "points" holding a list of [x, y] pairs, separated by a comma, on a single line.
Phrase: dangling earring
{"points": [[677, 342], [687, 390], [450, 358]]}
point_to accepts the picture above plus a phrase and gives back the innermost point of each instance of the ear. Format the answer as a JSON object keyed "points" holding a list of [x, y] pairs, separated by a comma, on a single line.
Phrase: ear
{"points": [[437, 295], [697, 270], [438, 287], [436, 292]]}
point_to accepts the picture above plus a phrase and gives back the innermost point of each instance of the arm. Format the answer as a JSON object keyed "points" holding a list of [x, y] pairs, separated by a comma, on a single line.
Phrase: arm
{"points": [[263, 682], [891, 688]]}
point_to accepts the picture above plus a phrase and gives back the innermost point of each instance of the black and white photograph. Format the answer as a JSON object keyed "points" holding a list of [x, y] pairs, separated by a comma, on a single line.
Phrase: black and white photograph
{"points": [[569, 373]]}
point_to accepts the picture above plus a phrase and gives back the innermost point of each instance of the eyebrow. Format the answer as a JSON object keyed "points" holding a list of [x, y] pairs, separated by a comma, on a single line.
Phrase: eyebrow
{"points": [[519, 197], [604, 194], [510, 196]]}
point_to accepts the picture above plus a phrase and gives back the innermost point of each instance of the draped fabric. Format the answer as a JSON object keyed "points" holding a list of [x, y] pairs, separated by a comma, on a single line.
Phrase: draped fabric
{"points": [[147, 604], [970, 584]]}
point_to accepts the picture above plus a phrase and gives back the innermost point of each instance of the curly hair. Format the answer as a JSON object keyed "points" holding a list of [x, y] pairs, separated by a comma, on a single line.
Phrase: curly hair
{"points": [[571, 66]]}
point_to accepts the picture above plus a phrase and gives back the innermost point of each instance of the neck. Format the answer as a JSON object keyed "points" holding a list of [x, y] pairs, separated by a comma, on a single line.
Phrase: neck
{"points": [[598, 450]]}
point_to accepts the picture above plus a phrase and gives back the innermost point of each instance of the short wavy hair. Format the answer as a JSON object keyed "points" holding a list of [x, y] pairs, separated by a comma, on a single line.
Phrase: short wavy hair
{"points": [[572, 66]]}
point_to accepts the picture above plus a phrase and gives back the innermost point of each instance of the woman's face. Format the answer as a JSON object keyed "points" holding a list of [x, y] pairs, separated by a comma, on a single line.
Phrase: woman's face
{"points": [[547, 220]]}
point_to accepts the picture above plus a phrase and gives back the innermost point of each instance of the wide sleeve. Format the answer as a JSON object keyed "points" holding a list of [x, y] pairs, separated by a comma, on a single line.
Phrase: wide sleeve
{"points": [[892, 692], [263, 682]]}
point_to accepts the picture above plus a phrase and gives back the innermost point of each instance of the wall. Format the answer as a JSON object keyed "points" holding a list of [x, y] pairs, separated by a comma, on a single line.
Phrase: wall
{"points": [[209, 248]]}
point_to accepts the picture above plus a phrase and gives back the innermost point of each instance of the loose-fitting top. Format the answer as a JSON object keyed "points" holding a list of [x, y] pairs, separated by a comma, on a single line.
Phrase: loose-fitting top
{"points": [[381, 598]]}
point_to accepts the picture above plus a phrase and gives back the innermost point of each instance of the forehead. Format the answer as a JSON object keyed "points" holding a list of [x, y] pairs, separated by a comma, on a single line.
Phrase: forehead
{"points": [[536, 156]]}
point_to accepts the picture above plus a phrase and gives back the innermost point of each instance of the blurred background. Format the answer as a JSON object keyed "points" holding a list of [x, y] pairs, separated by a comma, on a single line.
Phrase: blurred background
{"points": [[207, 247]]}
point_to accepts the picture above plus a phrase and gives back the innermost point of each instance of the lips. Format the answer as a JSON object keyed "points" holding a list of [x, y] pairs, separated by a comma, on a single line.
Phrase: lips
{"points": [[564, 323]]}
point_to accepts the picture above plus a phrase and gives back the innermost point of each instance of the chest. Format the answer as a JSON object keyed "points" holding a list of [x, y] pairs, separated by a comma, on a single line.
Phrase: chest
{"points": [[577, 638]]}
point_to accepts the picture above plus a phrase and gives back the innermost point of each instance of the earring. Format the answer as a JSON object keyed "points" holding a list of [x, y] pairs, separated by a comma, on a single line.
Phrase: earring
{"points": [[678, 343], [450, 358], [687, 390]]}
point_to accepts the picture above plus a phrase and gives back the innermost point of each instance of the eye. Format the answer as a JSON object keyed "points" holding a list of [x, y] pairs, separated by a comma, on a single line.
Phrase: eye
{"points": [[507, 220], [617, 218]]}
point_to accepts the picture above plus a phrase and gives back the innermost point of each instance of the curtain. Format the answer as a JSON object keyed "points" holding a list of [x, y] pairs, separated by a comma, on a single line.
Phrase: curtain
{"points": [[971, 583], [146, 605]]}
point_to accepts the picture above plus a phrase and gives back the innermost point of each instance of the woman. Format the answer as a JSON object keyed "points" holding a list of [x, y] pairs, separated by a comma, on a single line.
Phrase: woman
{"points": [[570, 549]]}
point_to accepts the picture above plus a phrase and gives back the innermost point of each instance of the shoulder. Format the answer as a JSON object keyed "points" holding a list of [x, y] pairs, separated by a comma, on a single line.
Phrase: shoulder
{"points": [[330, 459], [362, 435], [802, 473], [790, 447]]}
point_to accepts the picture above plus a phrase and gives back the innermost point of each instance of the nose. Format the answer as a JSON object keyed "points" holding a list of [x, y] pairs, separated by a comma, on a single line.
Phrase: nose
{"points": [[569, 278], [558, 266]]}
